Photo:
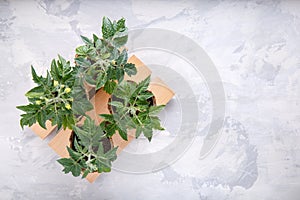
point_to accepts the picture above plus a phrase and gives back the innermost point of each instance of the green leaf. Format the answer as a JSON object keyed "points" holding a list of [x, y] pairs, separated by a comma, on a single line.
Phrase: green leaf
{"points": [[138, 132], [100, 151], [82, 62], [41, 118], [30, 108], [90, 79], [148, 133], [119, 74], [103, 165], [99, 45], [110, 86], [122, 133], [86, 172], [145, 96], [142, 86], [76, 170], [70, 166], [120, 38], [37, 89], [130, 69], [81, 106], [48, 79], [105, 56], [83, 135], [81, 103], [82, 50], [73, 154], [89, 134], [154, 110], [116, 104], [123, 57], [54, 70], [35, 77], [77, 146], [65, 161], [101, 80], [121, 25], [95, 38], [112, 154], [86, 40], [32, 94], [70, 121], [107, 28], [27, 119], [155, 123], [109, 128], [62, 60], [107, 117]]}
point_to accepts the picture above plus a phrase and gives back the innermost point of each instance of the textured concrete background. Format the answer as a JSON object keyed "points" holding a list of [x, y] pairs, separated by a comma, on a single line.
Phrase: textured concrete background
{"points": [[255, 46]]}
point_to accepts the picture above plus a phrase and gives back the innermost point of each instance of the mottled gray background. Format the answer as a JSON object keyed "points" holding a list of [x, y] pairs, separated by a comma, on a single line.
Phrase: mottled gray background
{"points": [[255, 46]]}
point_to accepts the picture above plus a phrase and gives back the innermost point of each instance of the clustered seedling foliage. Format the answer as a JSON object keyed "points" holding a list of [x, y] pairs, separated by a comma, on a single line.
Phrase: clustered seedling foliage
{"points": [[89, 155], [132, 109], [104, 60], [52, 97], [62, 98]]}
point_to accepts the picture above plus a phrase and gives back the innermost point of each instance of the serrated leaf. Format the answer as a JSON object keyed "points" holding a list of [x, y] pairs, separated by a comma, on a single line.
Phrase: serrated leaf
{"points": [[70, 166], [123, 134], [48, 79], [155, 123], [82, 62], [145, 96], [41, 118], [120, 38], [99, 45], [107, 28], [130, 69], [95, 38], [154, 110], [31, 108], [103, 165], [142, 86], [101, 80], [54, 70], [120, 25], [85, 173], [78, 148], [34, 94], [82, 50], [62, 60], [86, 40], [65, 161], [90, 79], [82, 106], [80, 103], [100, 151], [110, 86], [138, 132], [107, 117], [73, 154], [35, 77], [119, 74], [123, 57], [116, 104], [105, 55], [148, 133], [112, 154]]}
